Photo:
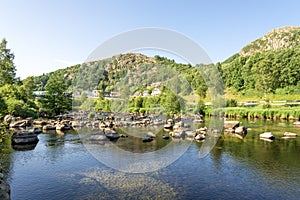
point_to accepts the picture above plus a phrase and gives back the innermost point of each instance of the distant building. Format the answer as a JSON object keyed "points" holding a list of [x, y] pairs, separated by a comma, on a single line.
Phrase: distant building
{"points": [[106, 94], [115, 94], [155, 92], [156, 84], [95, 93], [146, 94], [39, 94]]}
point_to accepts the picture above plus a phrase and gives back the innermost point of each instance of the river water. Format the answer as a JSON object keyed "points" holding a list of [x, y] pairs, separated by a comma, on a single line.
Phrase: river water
{"points": [[61, 167]]}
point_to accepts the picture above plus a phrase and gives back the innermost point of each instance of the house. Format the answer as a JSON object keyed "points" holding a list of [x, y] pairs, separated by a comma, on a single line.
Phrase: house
{"points": [[95, 93], [146, 94], [39, 94], [155, 92]]}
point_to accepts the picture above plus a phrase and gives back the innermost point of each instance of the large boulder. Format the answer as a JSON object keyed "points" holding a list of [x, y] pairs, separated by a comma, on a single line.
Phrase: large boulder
{"points": [[24, 137], [8, 118], [99, 136], [267, 135], [231, 124], [200, 137], [241, 130], [18, 124]]}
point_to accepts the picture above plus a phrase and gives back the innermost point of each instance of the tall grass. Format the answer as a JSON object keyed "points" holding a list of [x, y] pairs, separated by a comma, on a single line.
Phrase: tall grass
{"points": [[256, 112]]}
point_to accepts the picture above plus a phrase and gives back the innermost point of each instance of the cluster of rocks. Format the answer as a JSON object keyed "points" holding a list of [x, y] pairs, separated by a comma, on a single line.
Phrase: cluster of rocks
{"points": [[4, 187], [181, 130], [233, 128], [268, 136]]}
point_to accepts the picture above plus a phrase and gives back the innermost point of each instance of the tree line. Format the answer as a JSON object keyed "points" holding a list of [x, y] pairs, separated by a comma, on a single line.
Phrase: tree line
{"points": [[17, 97], [265, 72]]}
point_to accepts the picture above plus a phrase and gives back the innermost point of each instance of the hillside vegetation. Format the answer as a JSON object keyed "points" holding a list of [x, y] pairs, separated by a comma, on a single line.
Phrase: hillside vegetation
{"points": [[269, 65], [267, 68]]}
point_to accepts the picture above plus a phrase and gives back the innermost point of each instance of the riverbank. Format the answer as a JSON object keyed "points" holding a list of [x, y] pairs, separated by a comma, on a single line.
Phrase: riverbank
{"points": [[4, 187], [283, 113]]}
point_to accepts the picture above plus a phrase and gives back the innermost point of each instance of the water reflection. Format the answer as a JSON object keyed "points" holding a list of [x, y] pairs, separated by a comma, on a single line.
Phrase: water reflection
{"points": [[24, 147]]}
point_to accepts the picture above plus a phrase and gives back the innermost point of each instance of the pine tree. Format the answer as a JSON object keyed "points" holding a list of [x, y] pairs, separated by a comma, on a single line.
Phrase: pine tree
{"points": [[7, 67]]}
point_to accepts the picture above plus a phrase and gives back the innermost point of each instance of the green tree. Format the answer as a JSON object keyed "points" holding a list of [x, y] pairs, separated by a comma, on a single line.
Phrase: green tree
{"points": [[3, 107], [56, 100], [7, 67], [264, 76], [171, 103], [83, 97]]}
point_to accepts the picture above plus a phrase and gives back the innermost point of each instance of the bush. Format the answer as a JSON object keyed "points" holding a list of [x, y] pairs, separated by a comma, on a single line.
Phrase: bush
{"points": [[231, 103], [91, 115]]}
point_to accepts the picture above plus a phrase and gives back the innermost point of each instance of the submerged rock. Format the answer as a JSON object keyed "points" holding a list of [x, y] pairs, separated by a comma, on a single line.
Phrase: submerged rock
{"points": [[112, 135], [297, 123], [290, 135], [147, 139], [151, 134], [190, 134], [166, 137], [36, 130]]}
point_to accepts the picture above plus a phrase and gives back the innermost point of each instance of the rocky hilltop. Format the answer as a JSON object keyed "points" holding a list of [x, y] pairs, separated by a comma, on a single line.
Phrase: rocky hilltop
{"points": [[276, 39]]}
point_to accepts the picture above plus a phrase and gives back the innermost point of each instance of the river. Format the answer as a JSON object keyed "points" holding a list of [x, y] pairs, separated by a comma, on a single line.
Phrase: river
{"points": [[62, 167]]}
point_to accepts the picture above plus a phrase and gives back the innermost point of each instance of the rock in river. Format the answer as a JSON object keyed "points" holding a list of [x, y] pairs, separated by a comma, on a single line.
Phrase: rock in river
{"points": [[24, 137], [267, 135], [289, 135], [147, 139]]}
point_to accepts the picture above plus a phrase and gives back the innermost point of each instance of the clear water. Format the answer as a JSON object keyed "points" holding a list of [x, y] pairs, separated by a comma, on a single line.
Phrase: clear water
{"points": [[60, 167]]}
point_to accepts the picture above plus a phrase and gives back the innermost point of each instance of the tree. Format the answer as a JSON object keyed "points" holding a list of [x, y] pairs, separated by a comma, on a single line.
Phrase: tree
{"points": [[3, 107], [7, 67], [264, 76], [56, 100], [171, 103]]}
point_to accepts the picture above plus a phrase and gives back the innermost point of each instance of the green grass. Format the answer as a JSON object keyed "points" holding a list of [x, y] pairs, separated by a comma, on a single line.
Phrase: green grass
{"points": [[258, 112], [258, 96]]}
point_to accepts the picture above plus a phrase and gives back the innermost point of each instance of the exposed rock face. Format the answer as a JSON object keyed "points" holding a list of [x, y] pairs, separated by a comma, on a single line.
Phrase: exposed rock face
{"points": [[279, 38]]}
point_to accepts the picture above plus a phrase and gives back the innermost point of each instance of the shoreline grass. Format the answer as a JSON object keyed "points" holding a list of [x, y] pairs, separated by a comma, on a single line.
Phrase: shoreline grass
{"points": [[286, 113]]}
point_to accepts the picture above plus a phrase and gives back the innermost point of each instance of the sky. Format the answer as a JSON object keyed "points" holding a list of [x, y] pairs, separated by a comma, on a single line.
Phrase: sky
{"points": [[46, 35]]}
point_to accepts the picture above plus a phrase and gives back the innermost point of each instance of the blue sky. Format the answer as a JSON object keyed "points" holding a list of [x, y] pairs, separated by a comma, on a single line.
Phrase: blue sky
{"points": [[51, 34]]}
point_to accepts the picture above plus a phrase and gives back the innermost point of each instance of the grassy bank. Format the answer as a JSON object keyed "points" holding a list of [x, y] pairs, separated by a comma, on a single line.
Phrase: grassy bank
{"points": [[258, 112]]}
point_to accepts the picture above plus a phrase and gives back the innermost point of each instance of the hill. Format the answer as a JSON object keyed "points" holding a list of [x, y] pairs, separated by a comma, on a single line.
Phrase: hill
{"points": [[133, 70], [270, 64], [276, 39]]}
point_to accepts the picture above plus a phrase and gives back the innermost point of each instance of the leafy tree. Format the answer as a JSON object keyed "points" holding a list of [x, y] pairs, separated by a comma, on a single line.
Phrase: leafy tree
{"points": [[56, 100], [83, 97], [7, 67], [171, 103], [264, 74], [3, 106]]}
